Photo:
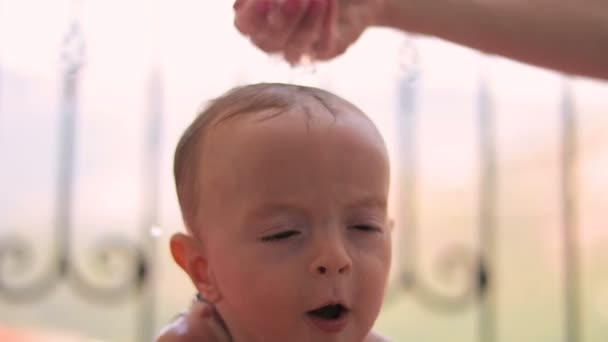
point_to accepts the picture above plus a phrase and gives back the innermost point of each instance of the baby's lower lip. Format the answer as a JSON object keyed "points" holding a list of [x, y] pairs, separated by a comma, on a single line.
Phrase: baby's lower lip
{"points": [[330, 325]]}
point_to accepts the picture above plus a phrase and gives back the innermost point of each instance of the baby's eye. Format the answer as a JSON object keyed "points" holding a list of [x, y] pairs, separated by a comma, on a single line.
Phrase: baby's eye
{"points": [[367, 228], [280, 236]]}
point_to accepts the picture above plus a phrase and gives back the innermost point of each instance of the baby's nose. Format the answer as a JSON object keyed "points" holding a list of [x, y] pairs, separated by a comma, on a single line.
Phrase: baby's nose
{"points": [[324, 270], [331, 258]]}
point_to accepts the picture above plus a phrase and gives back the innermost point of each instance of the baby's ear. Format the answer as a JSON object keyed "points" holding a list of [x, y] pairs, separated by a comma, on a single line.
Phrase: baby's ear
{"points": [[188, 253]]}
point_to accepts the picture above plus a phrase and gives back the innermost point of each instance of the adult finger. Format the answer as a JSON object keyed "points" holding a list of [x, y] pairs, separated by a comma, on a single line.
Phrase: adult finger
{"points": [[251, 16], [218, 326], [201, 309], [203, 323], [328, 36], [284, 17], [307, 33]]}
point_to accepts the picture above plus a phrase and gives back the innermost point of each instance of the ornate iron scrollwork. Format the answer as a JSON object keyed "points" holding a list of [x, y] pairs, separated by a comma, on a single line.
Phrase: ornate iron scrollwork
{"points": [[472, 266], [17, 258]]}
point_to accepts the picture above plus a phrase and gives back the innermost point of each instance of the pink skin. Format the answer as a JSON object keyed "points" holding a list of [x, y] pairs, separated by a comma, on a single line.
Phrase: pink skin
{"points": [[297, 220], [318, 29]]}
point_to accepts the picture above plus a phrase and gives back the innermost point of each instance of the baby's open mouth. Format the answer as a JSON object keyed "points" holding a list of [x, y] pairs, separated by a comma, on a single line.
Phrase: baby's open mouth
{"points": [[329, 312]]}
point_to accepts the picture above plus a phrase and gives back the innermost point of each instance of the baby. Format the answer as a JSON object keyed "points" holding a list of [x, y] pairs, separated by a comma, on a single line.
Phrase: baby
{"points": [[283, 190]]}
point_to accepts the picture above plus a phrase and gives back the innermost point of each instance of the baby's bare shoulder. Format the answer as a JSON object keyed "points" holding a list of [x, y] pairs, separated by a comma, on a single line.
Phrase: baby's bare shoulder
{"points": [[375, 337]]}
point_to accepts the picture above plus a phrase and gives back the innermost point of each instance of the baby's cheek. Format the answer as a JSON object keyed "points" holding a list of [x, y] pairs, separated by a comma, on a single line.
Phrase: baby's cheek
{"points": [[371, 297], [372, 251], [257, 293], [372, 267], [253, 279]]}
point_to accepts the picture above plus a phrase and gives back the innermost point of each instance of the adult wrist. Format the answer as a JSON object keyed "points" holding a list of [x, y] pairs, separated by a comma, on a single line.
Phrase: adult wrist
{"points": [[427, 17], [405, 15]]}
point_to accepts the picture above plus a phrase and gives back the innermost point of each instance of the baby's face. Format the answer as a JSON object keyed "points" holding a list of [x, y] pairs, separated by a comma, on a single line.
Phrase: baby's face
{"points": [[297, 223]]}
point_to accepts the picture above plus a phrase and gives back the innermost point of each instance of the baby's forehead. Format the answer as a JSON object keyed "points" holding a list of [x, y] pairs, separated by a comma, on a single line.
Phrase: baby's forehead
{"points": [[303, 113], [295, 128], [251, 106]]}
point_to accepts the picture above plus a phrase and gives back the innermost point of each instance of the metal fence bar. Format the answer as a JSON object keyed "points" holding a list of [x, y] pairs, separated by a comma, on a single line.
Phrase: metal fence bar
{"points": [[487, 212], [569, 190], [16, 247], [150, 198], [453, 258], [73, 60], [406, 134], [62, 265]]}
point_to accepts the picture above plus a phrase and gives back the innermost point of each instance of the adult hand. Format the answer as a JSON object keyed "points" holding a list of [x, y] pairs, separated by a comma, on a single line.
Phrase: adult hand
{"points": [[317, 29], [566, 36], [200, 323]]}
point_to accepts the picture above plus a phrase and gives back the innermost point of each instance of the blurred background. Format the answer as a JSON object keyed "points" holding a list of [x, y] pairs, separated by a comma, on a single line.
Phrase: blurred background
{"points": [[499, 189]]}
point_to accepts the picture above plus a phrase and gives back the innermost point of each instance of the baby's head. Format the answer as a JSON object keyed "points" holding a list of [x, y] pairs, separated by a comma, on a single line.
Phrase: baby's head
{"points": [[284, 191]]}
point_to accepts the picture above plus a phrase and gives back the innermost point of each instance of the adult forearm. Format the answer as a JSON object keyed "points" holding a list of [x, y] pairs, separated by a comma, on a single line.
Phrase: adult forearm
{"points": [[566, 35]]}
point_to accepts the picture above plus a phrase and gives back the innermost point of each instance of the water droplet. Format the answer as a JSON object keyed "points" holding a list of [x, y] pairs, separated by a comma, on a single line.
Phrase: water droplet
{"points": [[156, 231]]}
